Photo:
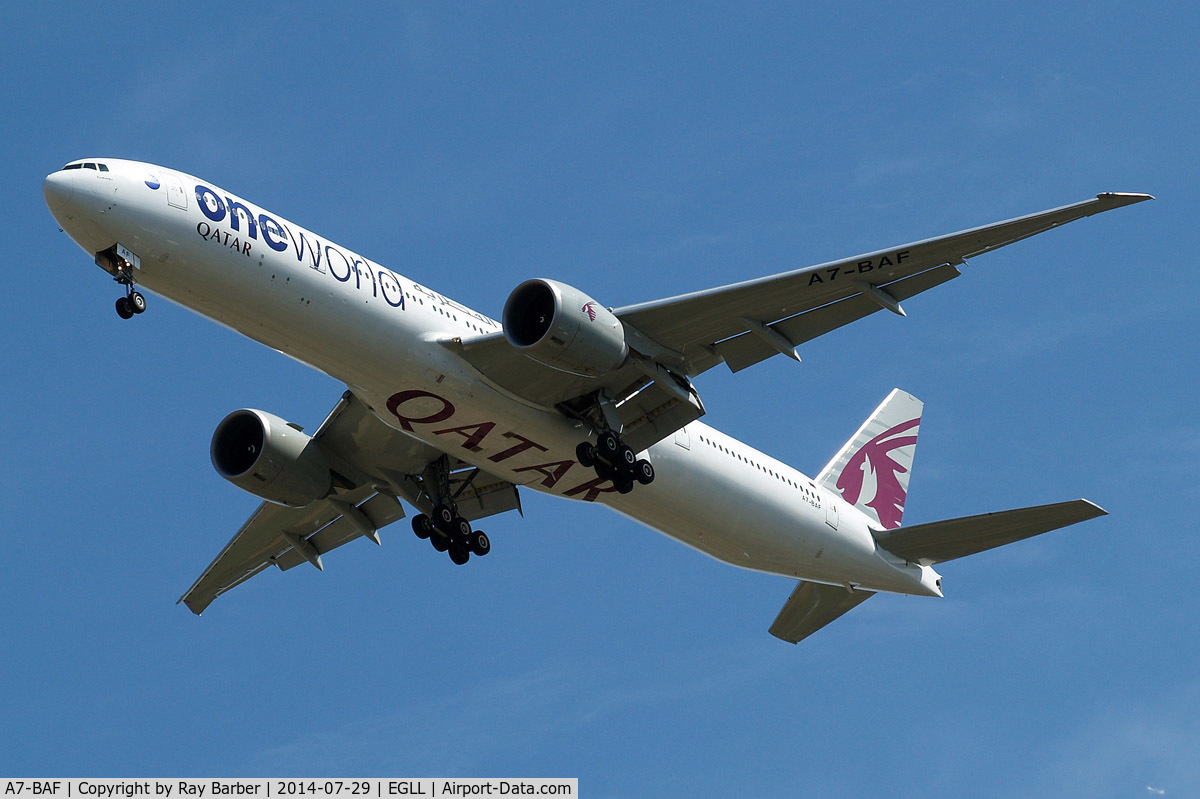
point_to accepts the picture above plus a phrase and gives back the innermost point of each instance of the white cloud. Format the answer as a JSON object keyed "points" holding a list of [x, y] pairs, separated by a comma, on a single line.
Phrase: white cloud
{"points": [[1122, 746]]}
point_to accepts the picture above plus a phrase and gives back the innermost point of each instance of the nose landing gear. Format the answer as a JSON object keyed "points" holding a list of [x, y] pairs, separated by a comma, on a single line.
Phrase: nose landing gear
{"points": [[132, 303], [120, 263], [615, 460]]}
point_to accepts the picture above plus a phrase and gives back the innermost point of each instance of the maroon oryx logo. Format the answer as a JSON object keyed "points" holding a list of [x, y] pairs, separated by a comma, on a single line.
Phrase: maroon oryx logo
{"points": [[873, 458], [589, 308]]}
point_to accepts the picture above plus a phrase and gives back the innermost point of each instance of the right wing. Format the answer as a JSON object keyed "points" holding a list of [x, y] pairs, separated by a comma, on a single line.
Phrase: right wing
{"points": [[374, 465], [813, 605], [276, 535]]}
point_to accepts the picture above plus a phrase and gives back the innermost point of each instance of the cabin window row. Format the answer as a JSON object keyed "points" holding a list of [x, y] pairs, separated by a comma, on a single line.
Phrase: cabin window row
{"points": [[755, 464]]}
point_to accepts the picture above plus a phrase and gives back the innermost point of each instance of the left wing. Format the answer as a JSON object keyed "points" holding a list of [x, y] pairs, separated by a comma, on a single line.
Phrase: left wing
{"points": [[744, 323], [374, 465], [741, 324]]}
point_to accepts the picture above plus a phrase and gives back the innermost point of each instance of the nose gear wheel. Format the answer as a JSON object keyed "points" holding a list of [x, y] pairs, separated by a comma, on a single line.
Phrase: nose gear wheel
{"points": [[133, 302]]}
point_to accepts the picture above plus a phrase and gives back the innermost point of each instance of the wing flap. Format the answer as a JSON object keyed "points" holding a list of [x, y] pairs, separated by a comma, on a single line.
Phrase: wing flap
{"points": [[813, 605], [938, 542], [378, 511], [747, 349]]}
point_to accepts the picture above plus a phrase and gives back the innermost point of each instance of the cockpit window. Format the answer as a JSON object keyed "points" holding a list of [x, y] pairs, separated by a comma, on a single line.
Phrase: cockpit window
{"points": [[89, 166], [73, 166], [103, 167]]}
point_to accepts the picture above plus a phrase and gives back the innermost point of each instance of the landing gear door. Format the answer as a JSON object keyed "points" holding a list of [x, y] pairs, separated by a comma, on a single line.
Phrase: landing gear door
{"points": [[128, 256], [176, 197], [683, 438], [654, 414]]}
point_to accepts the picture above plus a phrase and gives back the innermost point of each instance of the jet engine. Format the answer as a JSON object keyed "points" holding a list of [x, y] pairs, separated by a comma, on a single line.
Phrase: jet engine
{"points": [[263, 454], [562, 327]]}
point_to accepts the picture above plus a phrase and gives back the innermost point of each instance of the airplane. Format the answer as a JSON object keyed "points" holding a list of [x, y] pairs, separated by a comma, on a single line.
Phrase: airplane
{"points": [[452, 412]]}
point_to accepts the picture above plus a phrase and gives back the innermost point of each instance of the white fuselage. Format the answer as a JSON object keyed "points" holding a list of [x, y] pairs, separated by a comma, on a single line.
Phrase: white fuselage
{"points": [[377, 332]]}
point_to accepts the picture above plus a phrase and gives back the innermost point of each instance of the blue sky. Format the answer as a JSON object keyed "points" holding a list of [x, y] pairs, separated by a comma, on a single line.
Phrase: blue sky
{"points": [[636, 153]]}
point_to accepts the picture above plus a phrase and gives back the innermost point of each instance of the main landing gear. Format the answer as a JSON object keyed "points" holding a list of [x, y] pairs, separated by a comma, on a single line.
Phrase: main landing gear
{"points": [[449, 532], [446, 529], [615, 460]]}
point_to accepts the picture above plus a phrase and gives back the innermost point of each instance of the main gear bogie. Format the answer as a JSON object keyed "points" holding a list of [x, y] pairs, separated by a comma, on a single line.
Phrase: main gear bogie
{"points": [[615, 460]]}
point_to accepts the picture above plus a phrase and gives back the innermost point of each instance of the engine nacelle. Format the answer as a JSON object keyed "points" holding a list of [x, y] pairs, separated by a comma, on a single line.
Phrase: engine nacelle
{"points": [[263, 454], [562, 327]]}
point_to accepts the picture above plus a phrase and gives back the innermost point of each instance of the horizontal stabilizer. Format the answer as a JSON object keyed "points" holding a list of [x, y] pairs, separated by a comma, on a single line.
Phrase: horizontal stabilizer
{"points": [[938, 542], [813, 605]]}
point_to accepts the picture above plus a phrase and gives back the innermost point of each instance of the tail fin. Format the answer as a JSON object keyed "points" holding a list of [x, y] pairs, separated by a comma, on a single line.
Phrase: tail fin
{"points": [[871, 471]]}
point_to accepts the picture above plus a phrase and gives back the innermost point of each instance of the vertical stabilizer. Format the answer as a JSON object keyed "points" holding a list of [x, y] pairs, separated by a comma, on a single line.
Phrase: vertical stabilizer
{"points": [[871, 471]]}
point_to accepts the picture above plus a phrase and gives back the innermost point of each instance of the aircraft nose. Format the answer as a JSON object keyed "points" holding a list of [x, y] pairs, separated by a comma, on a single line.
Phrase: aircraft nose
{"points": [[57, 190]]}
